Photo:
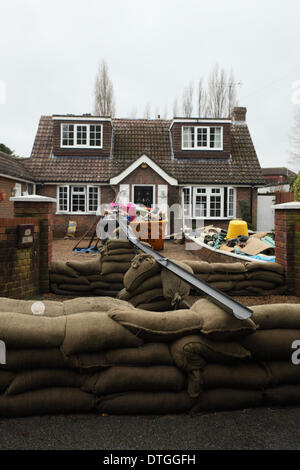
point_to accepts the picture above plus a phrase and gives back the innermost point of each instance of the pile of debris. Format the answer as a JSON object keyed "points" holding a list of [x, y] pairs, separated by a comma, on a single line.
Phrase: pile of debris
{"points": [[256, 245], [104, 355]]}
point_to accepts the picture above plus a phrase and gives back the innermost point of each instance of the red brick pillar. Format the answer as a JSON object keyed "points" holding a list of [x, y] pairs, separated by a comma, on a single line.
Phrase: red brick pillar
{"points": [[43, 209], [287, 241]]}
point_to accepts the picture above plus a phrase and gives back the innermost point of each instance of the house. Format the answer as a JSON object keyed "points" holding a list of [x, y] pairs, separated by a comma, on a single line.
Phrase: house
{"points": [[15, 180], [84, 161], [279, 175]]}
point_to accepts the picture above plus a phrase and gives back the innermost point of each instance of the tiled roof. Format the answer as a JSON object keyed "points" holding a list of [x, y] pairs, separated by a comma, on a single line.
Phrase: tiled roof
{"points": [[14, 167], [281, 171], [135, 137]]}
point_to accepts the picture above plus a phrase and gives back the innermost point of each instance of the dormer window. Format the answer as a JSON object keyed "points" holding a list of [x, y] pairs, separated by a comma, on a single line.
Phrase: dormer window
{"points": [[81, 135], [202, 138]]}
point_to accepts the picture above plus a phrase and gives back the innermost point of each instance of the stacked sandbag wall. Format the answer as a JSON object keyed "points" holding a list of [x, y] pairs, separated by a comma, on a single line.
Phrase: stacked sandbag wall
{"points": [[101, 276], [252, 278], [104, 355]]}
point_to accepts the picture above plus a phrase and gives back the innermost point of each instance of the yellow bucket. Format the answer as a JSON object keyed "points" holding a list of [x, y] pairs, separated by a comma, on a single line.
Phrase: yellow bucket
{"points": [[236, 228]]}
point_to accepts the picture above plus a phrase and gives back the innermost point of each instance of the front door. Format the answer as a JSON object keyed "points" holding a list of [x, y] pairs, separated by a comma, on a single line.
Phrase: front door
{"points": [[143, 195]]}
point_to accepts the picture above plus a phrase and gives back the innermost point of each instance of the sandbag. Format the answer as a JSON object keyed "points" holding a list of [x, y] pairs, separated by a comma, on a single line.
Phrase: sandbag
{"points": [[253, 283], [239, 376], [93, 304], [59, 267], [6, 377], [92, 266], [118, 244], [266, 266], [220, 325], [228, 267], [61, 279], [25, 359], [283, 395], [56, 290], [192, 352], [19, 330], [113, 277], [95, 331], [283, 372], [124, 294], [75, 287], [282, 316], [269, 345], [44, 378], [227, 399], [119, 379], [216, 277], [119, 258], [142, 267], [268, 276], [174, 288], [144, 355], [143, 402], [224, 286], [46, 401], [158, 305], [157, 326], [52, 308], [109, 267], [146, 297], [149, 284], [99, 285], [198, 267]]}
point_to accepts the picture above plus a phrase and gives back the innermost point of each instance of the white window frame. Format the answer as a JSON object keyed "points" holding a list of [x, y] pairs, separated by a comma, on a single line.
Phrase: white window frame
{"points": [[233, 214], [70, 198], [62, 211], [188, 210], [209, 193], [207, 147], [75, 145]]}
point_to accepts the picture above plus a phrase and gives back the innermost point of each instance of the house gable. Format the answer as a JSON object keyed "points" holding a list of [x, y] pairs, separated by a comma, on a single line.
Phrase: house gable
{"points": [[140, 162]]}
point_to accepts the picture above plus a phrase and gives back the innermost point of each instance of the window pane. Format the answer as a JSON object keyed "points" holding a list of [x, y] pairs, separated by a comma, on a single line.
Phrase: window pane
{"points": [[78, 199], [93, 199], [215, 137], [230, 202], [187, 201], [202, 137], [188, 134], [95, 135], [63, 198], [201, 206], [215, 206], [67, 134], [81, 135]]}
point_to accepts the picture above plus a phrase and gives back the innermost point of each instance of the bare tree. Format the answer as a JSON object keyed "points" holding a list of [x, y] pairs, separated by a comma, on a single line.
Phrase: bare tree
{"points": [[104, 92], [201, 99], [165, 113], [187, 100], [294, 138], [232, 100], [221, 96], [132, 114], [175, 108], [147, 111]]}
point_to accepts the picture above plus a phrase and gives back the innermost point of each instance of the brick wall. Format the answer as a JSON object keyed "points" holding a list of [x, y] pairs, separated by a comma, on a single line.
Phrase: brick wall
{"points": [[287, 245], [19, 267], [6, 206]]}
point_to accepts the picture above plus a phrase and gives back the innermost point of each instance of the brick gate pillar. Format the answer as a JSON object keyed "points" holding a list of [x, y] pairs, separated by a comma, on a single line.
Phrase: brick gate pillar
{"points": [[43, 209], [287, 241]]}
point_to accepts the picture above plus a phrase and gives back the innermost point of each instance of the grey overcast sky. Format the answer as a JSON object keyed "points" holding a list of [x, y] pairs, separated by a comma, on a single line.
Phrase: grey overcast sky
{"points": [[50, 51]]}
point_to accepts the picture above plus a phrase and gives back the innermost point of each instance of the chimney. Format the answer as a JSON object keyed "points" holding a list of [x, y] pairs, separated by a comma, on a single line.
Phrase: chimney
{"points": [[239, 114]]}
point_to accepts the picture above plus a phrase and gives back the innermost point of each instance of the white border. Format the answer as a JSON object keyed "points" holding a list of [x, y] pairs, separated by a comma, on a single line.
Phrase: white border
{"points": [[80, 146], [144, 159]]}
